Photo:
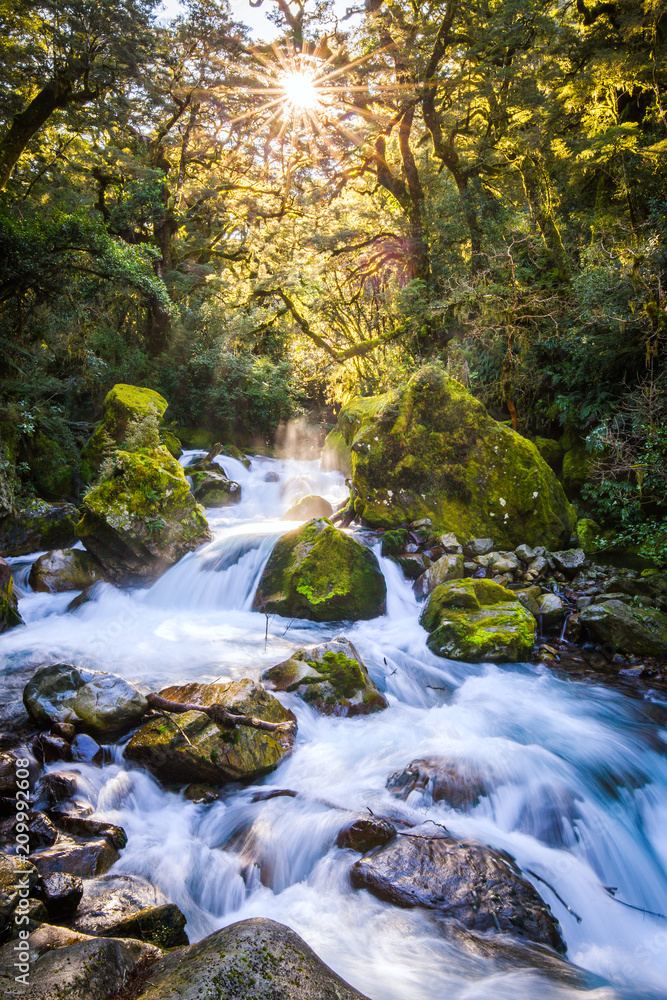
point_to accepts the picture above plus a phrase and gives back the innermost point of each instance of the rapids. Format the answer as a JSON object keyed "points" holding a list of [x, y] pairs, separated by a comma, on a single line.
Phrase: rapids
{"points": [[578, 772]]}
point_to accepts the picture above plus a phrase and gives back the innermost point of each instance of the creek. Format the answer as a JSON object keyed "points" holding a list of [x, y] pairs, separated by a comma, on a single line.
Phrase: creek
{"points": [[577, 772]]}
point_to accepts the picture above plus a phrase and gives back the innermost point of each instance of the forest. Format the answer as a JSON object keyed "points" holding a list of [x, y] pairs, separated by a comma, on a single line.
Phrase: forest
{"points": [[259, 231]]}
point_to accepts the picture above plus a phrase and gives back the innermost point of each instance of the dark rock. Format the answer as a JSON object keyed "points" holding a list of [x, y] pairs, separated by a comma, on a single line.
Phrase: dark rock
{"points": [[9, 613], [126, 906], [214, 489], [60, 893], [629, 629], [569, 561], [85, 748], [48, 748], [458, 784], [93, 857], [90, 699], [15, 873], [86, 596], [551, 608], [525, 553], [64, 729], [39, 525], [250, 960], [478, 546], [469, 882], [366, 833], [82, 826], [57, 787]]}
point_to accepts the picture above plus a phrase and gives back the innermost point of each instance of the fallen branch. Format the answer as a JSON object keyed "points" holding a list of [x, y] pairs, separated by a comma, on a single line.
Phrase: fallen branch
{"points": [[559, 898], [220, 715]]}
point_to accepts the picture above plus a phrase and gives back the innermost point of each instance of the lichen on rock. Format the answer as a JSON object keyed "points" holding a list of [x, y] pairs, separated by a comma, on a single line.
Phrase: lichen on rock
{"points": [[124, 408]]}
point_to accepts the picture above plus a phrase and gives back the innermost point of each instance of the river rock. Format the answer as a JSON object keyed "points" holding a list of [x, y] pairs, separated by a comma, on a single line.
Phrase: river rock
{"points": [[9, 605], [214, 489], [569, 561], [448, 567], [143, 518], [38, 525], [307, 508], [366, 833], [429, 449], [91, 699], [528, 598], [213, 755], [124, 410], [15, 874], [477, 620], [129, 907], [458, 784], [331, 677], [525, 553], [85, 859], [474, 884], [71, 819], [61, 894], [551, 608], [65, 569], [251, 960], [64, 964], [319, 572], [629, 629], [478, 547], [84, 748]]}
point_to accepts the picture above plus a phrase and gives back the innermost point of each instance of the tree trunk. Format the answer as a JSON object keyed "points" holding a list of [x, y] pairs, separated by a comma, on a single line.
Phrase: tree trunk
{"points": [[28, 122], [541, 212]]}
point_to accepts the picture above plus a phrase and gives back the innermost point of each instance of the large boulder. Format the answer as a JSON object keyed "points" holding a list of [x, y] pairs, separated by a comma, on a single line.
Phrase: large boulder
{"points": [[307, 508], [143, 518], [9, 605], [125, 409], [629, 629], [319, 572], [213, 489], [76, 857], [38, 525], [126, 906], [91, 699], [477, 620], [477, 886], [65, 569], [251, 960], [429, 449], [331, 677], [189, 747]]}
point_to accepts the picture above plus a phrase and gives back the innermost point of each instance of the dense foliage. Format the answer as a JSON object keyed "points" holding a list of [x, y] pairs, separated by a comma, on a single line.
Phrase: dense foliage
{"points": [[480, 185]]}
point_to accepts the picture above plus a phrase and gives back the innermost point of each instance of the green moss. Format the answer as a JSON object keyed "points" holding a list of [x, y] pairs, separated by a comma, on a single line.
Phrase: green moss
{"points": [[171, 443], [345, 675], [125, 406], [551, 451], [9, 614], [577, 465], [394, 542], [590, 536], [431, 450]]}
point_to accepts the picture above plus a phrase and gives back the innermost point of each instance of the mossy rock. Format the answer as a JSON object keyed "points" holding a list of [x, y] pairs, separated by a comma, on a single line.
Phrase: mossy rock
{"points": [[213, 489], [93, 700], [9, 605], [430, 450], [331, 677], [590, 536], [170, 442], [335, 453], [65, 569], [213, 755], [394, 542], [634, 630], [476, 621], [551, 451], [577, 466], [38, 525], [142, 519], [123, 408], [319, 572], [307, 508]]}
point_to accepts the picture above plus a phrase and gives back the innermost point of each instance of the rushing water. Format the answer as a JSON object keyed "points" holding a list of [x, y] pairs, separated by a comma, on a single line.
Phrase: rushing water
{"points": [[577, 773]]}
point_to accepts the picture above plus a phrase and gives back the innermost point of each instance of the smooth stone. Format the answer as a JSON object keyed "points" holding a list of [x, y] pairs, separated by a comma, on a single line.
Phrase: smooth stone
{"points": [[366, 833], [448, 567], [551, 608], [127, 906], [60, 893], [84, 748], [478, 546], [629, 629], [214, 489], [65, 569], [94, 857], [307, 508], [94, 700]]}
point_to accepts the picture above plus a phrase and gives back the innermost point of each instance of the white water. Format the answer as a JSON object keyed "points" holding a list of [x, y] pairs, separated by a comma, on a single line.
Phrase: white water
{"points": [[578, 772]]}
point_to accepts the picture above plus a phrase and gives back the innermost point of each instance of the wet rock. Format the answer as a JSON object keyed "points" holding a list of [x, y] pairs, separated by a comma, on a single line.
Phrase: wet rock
{"points": [[84, 748], [64, 729], [457, 783], [87, 859], [307, 508], [474, 884], [67, 965], [525, 553], [413, 564], [551, 608], [90, 699], [629, 629], [86, 596], [17, 876], [448, 567], [329, 676], [201, 793], [478, 546], [573, 629], [61, 894], [319, 572], [214, 489], [528, 598], [41, 830], [48, 748], [71, 821], [569, 561], [366, 833], [189, 747], [250, 960], [64, 569], [56, 787], [271, 477], [9, 605], [126, 906], [38, 526], [477, 620]]}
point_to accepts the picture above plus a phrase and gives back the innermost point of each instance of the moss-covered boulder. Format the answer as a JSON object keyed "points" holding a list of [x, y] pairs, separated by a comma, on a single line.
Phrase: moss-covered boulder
{"points": [[628, 629], [65, 569], [477, 620], [143, 518], [169, 440], [307, 508], [9, 605], [551, 451], [124, 410], [213, 489], [93, 700], [319, 572], [38, 525], [335, 453], [331, 677], [189, 747], [430, 449], [578, 462]]}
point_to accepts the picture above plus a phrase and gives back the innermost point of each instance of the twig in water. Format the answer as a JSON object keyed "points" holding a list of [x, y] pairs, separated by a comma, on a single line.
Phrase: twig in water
{"points": [[221, 715], [559, 898], [651, 913], [170, 718]]}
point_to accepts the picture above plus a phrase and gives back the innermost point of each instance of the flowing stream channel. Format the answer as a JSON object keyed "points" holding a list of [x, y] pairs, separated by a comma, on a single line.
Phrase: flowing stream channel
{"points": [[577, 772]]}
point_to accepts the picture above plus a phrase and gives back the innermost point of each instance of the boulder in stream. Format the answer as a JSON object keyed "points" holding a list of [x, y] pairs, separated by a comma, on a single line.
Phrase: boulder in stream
{"points": [[127, 906], [319, 572], [65, 569], [474, 884], [190, 747], [60, 893], [125, 408], [91, 699], [86, 858], [456, 783], [476, 621], [9, 605], [255, 959], [628, 628], [212, 488], [329, 676], [307, 508], [38, 525], [143, 518]]}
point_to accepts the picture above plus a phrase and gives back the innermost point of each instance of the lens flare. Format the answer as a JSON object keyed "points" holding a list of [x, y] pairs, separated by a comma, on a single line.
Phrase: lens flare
{"points": [[300, 91]]}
